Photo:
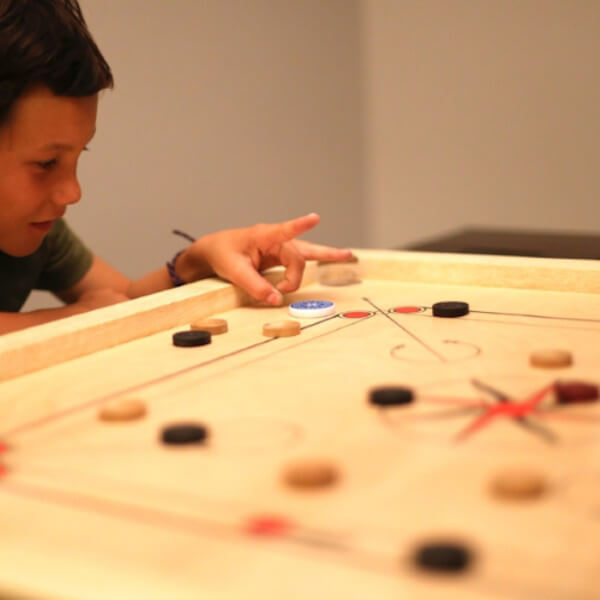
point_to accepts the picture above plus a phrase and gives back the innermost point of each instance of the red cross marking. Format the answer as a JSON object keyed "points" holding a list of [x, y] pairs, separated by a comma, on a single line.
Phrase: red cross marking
{"points": [[506, 409]]}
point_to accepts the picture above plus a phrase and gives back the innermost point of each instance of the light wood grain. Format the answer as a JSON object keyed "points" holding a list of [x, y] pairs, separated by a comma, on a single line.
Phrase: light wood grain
{"points": [[97, 510], [51, 343]]}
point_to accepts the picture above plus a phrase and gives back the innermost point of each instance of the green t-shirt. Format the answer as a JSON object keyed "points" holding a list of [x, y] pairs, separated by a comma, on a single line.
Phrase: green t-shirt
{"points": [[60, 262]]}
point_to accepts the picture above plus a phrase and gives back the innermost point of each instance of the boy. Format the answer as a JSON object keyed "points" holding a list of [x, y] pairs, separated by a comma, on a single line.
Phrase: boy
{"points": [[51, 73]]}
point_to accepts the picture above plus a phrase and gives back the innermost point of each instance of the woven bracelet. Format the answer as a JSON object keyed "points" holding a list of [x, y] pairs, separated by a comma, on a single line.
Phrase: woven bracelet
{"points": [[175, 279]]}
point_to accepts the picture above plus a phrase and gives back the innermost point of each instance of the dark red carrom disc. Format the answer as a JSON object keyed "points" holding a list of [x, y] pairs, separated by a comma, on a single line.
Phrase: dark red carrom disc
{"points": [[575, 392]]}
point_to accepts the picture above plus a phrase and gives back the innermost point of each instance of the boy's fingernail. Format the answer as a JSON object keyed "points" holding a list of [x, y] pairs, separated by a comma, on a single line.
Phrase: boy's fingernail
{"points": [[274, 298]]}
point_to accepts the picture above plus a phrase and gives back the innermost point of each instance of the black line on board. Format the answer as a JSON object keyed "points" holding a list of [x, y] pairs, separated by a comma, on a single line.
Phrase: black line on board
{"points": [[516, 323], [548, 317], [292, 347], [316, 537], [527, 423], [179, 522], [331, 317], [455, 401], [395, 420], [395, 352], [134, 388], [132, 488], [519, 324], [412, 335], [139, 386], [557, 412], [104, 506], [508, 314]]}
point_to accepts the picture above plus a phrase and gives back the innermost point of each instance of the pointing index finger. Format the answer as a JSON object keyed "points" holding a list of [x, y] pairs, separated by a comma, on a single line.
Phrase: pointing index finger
{"points": [[288, 230]]}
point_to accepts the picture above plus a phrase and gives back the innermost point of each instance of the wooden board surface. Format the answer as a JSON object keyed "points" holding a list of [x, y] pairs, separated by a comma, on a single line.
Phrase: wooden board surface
{"points": [[90, 509]]}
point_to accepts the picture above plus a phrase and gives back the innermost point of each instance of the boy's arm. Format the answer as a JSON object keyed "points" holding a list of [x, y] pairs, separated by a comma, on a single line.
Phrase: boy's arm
{"points": [[101, 276], [102, 285], [92, 291], [237, 255]]}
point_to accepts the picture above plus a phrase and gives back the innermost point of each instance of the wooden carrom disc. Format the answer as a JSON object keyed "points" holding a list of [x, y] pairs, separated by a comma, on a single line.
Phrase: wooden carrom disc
{"points": [[213, 326], [338, 277], [551, 358], [311, 473], [519, 483], [338, 273], [281, 328], [349, 261], [127, 409]]}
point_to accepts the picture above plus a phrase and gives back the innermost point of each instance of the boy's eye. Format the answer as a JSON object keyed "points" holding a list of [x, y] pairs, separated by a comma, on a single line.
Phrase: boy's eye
{"points": [[46, 164]]}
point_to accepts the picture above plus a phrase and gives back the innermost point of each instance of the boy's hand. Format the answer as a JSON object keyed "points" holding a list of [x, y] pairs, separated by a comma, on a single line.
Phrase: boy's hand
{"points": [[239, 254]]}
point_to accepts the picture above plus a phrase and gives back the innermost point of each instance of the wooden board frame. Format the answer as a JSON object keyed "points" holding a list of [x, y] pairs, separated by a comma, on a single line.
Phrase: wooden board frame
{"points": [[83, 497], [45, 345]]}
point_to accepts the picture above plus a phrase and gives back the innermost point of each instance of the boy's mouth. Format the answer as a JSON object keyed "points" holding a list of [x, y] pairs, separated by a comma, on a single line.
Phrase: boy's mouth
{"points": [[43, 226]]}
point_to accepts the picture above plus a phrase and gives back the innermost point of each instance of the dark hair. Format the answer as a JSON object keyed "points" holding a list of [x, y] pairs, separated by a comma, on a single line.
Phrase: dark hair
{"points": [[47, 42]]}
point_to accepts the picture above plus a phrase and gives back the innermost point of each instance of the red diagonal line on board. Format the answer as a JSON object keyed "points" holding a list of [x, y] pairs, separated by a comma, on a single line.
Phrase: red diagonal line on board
{"points": [[507, 409]]}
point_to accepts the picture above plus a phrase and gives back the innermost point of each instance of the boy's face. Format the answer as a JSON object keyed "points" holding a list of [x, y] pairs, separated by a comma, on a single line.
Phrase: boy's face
{"points": [[39, 149]]}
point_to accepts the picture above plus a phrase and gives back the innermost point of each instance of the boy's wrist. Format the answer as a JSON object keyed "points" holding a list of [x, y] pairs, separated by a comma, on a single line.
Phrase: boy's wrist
{"points": [[188, 267], [176, 280]]}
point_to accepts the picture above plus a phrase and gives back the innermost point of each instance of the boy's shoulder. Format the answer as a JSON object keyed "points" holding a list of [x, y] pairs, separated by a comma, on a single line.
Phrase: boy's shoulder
{"points": [[60, 261]]}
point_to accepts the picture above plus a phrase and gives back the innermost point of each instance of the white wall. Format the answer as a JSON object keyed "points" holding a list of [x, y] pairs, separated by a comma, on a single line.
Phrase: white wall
{"points": [[225, 113], [395, 119], [481, 113]]}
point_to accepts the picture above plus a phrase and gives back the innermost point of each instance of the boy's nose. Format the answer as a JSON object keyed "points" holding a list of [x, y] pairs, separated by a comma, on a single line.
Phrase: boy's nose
{"points": [[68, 192]]}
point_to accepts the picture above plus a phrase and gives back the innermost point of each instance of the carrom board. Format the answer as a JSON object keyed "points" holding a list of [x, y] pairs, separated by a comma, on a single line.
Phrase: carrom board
{"points": [[93, 510]]}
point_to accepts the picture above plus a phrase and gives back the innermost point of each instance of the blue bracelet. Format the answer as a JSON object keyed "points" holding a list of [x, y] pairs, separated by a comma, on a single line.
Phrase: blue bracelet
{"points": [[175, 279]]}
